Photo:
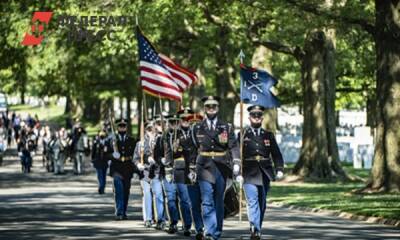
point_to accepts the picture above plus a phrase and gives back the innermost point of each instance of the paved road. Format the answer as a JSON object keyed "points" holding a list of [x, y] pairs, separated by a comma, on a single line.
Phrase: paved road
{"points": [[43, 206]]}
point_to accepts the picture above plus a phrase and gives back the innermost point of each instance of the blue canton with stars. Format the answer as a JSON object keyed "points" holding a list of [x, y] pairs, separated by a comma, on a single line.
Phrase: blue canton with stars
{"points": [[147, 52]]}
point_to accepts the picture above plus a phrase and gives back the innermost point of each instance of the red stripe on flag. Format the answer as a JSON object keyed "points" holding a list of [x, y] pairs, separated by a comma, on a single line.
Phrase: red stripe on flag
{"points": [[151, 70], [160, 84], [161, 94]]}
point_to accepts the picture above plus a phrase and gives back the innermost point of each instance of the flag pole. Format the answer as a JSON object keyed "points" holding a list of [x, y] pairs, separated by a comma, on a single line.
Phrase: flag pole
{"points": [[241, 56], [142, 132]]}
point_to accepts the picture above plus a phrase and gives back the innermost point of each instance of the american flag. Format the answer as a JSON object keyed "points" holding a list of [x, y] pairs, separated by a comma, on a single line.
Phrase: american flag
{"points": [[160, 76]]}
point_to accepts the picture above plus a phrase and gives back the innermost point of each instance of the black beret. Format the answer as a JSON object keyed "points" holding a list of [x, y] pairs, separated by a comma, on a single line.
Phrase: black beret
{"points": [[121, 122], [185, 112], [255, 108], [210, 100]]}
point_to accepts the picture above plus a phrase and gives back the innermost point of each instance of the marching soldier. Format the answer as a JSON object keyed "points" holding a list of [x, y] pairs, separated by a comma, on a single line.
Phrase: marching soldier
{"points": [[159, 175], [258, 168], [193, 186], [101, 153], [178, 155], [80, 143], [150, 178], [122, 168], [217, 146]]}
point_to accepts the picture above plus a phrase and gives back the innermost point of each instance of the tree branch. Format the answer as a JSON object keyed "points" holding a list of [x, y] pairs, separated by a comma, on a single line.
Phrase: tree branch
{"points": [[296, 51], [364, 24]]}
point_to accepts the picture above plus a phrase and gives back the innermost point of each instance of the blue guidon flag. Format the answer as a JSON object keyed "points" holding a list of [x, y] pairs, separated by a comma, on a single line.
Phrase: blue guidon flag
{"points": [[255, 87], [159, 75]]}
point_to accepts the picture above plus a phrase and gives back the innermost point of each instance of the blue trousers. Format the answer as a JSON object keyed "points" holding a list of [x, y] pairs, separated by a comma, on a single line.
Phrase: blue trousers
{"points": [[256, 197], [156, 187], [101, 177], [195, 199], [213, 205], [121, 192], [178, 189]]}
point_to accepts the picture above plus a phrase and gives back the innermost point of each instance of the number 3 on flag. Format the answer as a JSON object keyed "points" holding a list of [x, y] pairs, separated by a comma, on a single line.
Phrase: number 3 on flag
{"points": [[255, 75]]}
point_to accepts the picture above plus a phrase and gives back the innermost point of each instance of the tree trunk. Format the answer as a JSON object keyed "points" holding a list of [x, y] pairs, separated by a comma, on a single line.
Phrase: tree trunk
{"points": [[91, 110], [313, 162], [260, 59], [128, 112], [386, 165], [225, 90], [330, 92]]}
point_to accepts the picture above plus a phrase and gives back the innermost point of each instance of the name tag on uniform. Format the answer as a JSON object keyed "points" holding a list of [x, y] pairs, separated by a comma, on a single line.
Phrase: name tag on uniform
{"points": [[223, 137], [267, 142]]}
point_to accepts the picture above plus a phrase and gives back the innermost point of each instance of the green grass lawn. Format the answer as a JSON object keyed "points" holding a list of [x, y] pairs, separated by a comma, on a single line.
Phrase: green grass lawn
{"points": [[54, 115], [337, 196], [47, 113]]}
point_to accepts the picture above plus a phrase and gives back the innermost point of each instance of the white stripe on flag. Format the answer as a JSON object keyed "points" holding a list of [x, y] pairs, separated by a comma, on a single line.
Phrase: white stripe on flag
{"points": [[161, 89], [159, 78]]}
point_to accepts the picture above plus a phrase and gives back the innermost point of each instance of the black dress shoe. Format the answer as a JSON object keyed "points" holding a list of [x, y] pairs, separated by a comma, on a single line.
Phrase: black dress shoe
{"points": [[187, 232], [199, 236], [119, 218], [172, 229], [124, 217], [160, 226], [254, 234], [147, 224]]}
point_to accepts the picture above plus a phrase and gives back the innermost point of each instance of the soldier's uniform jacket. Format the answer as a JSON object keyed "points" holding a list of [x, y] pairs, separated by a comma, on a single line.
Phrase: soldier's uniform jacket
{"points": [[180, 154], [259, 146], [124, 165], [149, 171], [159, 153], [216, 149], [101, 152]]}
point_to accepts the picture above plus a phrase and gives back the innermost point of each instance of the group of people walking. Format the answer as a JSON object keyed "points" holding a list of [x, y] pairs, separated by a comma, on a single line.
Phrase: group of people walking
{"points": [[185, 166]]}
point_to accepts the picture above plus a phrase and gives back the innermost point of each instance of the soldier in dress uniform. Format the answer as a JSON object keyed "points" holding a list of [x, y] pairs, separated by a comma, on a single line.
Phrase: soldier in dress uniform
{"points": [[80, 143], [150, 177], [101, 154], [259, 169], [178, 155], [193, 186], [122, 168], [217, 151]]}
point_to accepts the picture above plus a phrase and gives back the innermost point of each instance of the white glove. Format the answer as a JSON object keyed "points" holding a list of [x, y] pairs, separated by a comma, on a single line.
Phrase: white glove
{"points": [[168, 177], [164, 161], [116, 155], [140, 166], [239, 179], [20, 154], [279, 175], [151, 161], [32, 154], [192, 176], [109, 163], [236, 169]]}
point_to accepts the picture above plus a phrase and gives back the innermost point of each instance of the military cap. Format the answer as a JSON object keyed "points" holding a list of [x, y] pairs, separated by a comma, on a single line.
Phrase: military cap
{"points": [[148, 124], [208, 100], [121, 122], [184, 113], [173, 117], [255, 108], [195, 117]]}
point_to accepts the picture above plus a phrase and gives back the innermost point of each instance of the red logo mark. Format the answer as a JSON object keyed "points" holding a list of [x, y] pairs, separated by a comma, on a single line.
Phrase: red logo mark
{"points": [[41, 17]]}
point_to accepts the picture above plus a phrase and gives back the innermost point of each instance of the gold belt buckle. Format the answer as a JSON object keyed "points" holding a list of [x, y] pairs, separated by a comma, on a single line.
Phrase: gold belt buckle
{"points": [[258, 157]]}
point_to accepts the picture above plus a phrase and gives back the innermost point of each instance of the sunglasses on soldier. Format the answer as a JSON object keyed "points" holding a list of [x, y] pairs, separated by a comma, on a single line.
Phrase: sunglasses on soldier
{"points": [[211, 106], [256, 114]]}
